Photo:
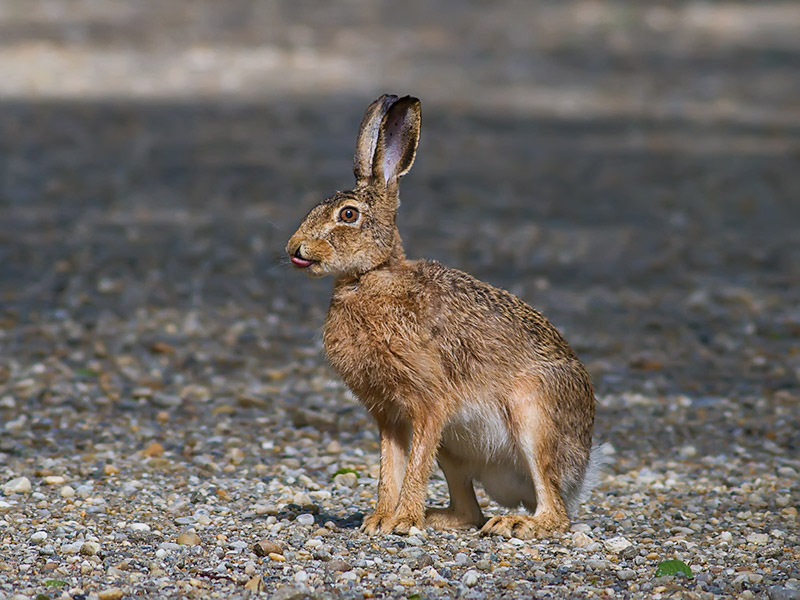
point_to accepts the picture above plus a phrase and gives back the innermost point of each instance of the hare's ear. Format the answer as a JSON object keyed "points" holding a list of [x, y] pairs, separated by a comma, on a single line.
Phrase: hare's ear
{"points": [[368, 136], [397, 141]]}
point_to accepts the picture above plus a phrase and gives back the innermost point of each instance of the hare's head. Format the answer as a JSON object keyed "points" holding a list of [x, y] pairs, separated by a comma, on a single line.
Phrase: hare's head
{"points": [[353, 232]]}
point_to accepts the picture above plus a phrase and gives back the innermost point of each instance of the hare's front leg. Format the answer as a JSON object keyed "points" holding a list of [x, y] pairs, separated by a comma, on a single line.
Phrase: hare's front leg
{"points": [[394, 455], [426, 434]]}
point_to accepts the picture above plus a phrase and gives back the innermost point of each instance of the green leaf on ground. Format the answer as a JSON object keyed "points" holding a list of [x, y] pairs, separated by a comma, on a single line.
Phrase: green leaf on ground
{"points": [[673, 567], [86, 372], [344, 470]]}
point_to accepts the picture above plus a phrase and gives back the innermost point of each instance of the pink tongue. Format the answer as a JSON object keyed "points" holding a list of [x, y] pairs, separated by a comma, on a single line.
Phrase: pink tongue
{"points": [[300, 262]]}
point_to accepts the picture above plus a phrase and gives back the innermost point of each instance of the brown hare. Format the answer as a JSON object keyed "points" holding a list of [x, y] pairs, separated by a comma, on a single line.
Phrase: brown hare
{"points": [[451, 368]]}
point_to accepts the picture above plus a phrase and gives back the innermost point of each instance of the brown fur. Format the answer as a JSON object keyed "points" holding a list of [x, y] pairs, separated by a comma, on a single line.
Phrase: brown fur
{"points": [[448, 366]]}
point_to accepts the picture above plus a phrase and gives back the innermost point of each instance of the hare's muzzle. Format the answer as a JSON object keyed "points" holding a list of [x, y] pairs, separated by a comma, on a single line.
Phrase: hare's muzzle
{"points": [[298, 261]]}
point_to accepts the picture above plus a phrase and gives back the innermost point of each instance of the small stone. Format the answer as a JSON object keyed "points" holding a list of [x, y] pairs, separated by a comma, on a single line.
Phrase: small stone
{"points": [[348, 480], [470, 578], [139, 527], [266, 547], [189, 538], [54, 480], [256, 585], [114, 593], [758, 538], [415, 531], [18, 485], [290, 592], [338, 564], [626, 574], [110, 470], [783, 592], [39, 537], [90, 548], [301, 576], [305, 519], [616, 544], [276, 557], [153, 450], [484, 565], [726, 536], [461, 559], [581, 540], [72, 548]]}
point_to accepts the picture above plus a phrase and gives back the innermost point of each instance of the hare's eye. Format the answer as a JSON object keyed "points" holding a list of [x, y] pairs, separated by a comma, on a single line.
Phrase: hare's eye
{"points": [[348, 214]]}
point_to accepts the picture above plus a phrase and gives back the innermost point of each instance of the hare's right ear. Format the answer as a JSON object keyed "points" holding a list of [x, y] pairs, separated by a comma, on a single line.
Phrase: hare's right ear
{"points": [[368, 136], [397, 141]]}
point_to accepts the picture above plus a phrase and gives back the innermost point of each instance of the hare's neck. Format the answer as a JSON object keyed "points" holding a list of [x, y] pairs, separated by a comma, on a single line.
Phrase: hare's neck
{"points": [[396, 258]]}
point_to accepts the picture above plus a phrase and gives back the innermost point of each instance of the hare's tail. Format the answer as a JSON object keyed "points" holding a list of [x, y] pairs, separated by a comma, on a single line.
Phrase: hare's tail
{"points": [[577, 491]]}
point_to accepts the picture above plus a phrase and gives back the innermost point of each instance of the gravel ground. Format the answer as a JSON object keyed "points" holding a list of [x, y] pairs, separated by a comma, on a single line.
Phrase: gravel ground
{"points": [[169, 426]]}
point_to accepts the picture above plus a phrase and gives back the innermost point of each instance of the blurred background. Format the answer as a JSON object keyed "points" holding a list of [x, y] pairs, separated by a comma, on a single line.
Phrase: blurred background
{"points": [[630, 168]]}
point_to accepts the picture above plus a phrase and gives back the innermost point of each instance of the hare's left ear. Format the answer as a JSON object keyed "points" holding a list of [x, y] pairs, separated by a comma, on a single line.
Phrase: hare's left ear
{"points": [[397, 141], [368, 136]]}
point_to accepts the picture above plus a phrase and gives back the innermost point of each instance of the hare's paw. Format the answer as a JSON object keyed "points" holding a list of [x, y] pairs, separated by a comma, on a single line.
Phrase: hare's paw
{"points": [[526, 527], [401, 524], [375, 523], [446, 518]]}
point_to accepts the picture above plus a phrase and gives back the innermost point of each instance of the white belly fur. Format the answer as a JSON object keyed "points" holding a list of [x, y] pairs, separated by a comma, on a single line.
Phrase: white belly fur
{"points": [[477, 434]]}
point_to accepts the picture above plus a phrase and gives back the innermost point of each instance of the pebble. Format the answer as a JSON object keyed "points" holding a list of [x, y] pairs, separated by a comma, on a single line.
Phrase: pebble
{"points": [[616, 544], [346, 480], [54, 480], [113, 593], [305, 519], [470, 578], [758, 538], [90, 548], [39, 537], [626, 574], [189, 538], [18, 485], [266, 547], [338, 564], [581, 540]]}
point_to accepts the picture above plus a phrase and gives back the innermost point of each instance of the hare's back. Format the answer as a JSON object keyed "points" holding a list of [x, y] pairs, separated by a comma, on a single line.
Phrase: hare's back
{"points": [[469, 311]]}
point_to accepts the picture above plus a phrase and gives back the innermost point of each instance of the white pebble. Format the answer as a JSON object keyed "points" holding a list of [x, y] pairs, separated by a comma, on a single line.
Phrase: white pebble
{"points": [[305, 519], [726, 536], [470, 578], [349, 480], [39, 537], [18, 485], [313, 543], [758, 538], [414, 531], [616, 544], [301, 577], [72, 548], [461, 558], [67, 491], [139, 527], [161, 553], [90, 548]]}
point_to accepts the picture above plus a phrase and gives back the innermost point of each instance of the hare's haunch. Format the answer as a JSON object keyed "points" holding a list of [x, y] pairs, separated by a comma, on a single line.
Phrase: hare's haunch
{"points": [[451, 368]]}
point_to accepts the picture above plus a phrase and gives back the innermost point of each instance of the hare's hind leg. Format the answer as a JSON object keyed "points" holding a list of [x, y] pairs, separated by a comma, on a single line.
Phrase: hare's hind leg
{"points": [[464, 511], [538, 439]]}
